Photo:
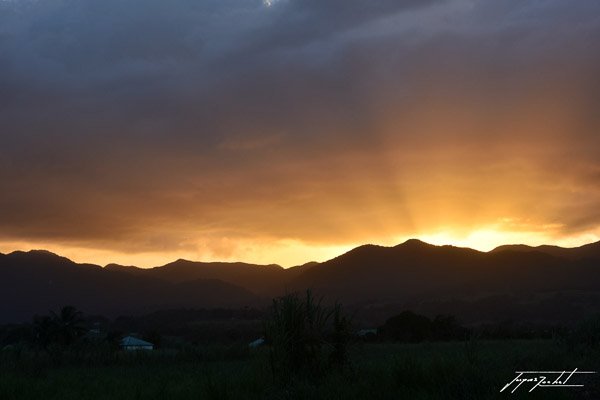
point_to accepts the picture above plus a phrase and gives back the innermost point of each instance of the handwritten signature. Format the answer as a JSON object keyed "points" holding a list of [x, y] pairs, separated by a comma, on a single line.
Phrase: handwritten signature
{"points": [[544, 379]]}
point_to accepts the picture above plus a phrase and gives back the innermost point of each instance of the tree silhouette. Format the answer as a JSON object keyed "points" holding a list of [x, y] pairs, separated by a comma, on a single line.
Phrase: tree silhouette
{"points": [[44, 329], [67, 325], [407, 327]]}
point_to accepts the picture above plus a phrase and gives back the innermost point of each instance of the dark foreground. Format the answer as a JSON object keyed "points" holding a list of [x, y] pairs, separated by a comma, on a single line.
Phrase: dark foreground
{"points": [[473, 369]]}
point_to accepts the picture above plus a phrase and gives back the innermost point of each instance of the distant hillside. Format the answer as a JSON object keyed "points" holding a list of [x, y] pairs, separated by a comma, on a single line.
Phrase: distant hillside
{"points": [[544, 283], [591, 250], [505, 284], [263, 280], [373, 273], [260, 279], [35, 282]]}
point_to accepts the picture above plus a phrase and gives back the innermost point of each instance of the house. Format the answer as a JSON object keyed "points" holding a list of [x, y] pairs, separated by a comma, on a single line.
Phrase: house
{"points": [[131, 343], [257, 342], [366, 332]]}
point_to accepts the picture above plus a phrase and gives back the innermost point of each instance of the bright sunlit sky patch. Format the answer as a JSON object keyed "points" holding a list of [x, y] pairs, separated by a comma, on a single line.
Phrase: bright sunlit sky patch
{"points": [[139, 132]]}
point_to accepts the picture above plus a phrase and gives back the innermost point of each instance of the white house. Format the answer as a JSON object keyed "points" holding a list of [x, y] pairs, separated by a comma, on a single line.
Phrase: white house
{"points": [[131, 343], [257, 342], [365, 332]]}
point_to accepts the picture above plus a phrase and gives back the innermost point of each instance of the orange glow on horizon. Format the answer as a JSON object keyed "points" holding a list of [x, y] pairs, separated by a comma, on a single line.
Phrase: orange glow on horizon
{"points": [[288, 253]]}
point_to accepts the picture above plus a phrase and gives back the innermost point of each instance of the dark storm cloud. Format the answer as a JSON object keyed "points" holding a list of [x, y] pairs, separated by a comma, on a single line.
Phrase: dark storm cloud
{"points": [[118, 116], [142, 73], [178, 68]]}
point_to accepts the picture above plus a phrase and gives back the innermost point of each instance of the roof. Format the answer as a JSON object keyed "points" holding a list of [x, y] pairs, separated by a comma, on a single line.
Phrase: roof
{"points": [[257, 342], [131, 341], [364, 332]]}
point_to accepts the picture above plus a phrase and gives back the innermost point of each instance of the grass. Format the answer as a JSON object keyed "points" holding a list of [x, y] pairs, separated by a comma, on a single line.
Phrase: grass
{"points": [[453, 370]]}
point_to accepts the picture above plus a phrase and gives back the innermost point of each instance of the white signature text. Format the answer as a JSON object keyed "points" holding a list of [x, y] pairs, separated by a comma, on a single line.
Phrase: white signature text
{"points": [[542, 379]]}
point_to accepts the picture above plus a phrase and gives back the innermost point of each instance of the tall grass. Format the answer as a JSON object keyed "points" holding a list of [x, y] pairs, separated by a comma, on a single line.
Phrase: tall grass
{"points": [[306, 340], [380, 371], [296, 332]]}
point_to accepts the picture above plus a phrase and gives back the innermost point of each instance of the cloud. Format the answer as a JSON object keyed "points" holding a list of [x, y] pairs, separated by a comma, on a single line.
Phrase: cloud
{"points": [[126, 124]]}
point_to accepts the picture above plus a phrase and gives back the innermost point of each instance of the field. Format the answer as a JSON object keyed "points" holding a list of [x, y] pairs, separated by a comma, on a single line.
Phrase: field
{"points": [[472, 369]]}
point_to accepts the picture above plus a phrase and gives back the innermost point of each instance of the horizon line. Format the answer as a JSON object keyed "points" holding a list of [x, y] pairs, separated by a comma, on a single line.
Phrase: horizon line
{"points": [[308, 262]]}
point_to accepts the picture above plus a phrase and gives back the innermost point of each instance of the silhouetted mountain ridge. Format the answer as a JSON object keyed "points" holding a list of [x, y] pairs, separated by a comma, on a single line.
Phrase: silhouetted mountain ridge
{"points": [[35, 282], [261, 279], [510, 283], [507, 282], [591, 250]]}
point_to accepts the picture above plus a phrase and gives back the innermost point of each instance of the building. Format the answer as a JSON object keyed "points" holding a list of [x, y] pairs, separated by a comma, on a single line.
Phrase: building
{"points": [[257, 342], [131, 343], [366, 332]]}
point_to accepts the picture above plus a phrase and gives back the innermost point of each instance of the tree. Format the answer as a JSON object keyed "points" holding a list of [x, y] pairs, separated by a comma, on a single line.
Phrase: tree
{"points": [[407, 327], [68, 325], [44, 330]]}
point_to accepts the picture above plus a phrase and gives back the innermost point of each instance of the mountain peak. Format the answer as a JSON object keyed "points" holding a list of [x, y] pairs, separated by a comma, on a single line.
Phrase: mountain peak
{"points": [[119, 267], [414, 243], [38, 254], [34, 252], [513, 247]]}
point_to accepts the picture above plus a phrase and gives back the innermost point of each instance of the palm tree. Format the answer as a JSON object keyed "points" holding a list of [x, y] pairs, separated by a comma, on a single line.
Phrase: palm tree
{"points": [[45, 330], [68, 325]]}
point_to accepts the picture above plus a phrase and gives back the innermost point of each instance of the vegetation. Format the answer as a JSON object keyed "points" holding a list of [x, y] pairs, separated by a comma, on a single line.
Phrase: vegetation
{"points": [[380, 370], [302, 339], [309, 355], [413, 328], [63, 328]]}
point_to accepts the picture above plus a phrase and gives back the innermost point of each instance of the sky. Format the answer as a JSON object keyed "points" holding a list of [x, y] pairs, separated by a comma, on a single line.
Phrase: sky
{"points": [[285, 131]]}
